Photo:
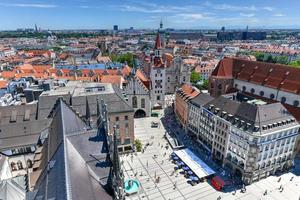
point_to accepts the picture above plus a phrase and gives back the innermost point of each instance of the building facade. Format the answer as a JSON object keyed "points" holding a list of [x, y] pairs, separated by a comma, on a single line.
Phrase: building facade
{"points": [[251, 138], [183, 96]]}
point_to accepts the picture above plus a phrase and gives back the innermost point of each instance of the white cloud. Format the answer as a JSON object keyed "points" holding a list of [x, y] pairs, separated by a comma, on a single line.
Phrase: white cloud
{"points": [[191, 16], [268, 8], [230, 7], [279, 15], [29, 5], [247, 14]]}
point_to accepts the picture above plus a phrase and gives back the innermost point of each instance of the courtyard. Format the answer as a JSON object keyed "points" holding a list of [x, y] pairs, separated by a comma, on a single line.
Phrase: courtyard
{"points": [[155, 172]]}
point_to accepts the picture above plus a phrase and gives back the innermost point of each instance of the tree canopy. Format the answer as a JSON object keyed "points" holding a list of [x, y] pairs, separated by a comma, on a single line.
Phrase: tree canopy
{"points": [[127, 57], [195, 77]]}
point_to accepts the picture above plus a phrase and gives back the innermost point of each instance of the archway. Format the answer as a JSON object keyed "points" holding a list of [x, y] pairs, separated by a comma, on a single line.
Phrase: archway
{"points": [[139, 113], [238, 173]]}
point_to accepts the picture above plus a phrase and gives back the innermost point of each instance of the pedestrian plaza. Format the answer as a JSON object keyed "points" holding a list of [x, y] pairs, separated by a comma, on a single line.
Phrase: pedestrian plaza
{"points": [[154, 169]]}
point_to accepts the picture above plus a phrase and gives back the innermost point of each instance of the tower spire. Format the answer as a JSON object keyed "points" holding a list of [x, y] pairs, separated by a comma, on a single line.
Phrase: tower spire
{"points": [[161, 26], [87, 112], [117, 171]]}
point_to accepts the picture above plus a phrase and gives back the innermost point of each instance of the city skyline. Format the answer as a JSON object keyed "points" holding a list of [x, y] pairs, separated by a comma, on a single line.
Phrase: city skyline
{"points": [[191, 14]]}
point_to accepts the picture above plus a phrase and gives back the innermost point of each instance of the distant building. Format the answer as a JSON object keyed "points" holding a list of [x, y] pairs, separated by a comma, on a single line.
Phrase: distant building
{"points": [[241, 35], [115, 27]]}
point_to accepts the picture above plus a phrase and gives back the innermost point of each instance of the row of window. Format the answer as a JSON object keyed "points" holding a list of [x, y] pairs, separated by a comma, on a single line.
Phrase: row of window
{"points": [[135, 102], [272, 96], [19, 165]]}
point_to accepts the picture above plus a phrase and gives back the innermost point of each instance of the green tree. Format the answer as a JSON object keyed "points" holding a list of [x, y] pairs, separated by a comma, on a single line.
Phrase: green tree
{"points": [[138, 145], [282, 60], [195, 77], [259, 56], [295, 63], [127, 57]]}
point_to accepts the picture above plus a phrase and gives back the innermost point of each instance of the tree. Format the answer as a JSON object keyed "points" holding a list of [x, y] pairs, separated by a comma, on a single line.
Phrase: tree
{"points": [[259, 56], [282, 60], [127, 57], [295, 63], [195, 77], [138, 145]]}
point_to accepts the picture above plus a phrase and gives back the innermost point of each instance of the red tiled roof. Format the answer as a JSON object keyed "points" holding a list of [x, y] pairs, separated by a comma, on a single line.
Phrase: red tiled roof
{"points": [[8, 74], [3, 84], [189, 90], [277, 76], [113, 79]]}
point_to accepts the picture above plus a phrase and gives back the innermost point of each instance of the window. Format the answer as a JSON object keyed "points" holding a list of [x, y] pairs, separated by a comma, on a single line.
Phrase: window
{"points": [[134, 102], [244, 88], [126, 117], [27, 115], [252, 90], [261, 93], [13, 166], [157, 98], [283, 99], [117, 119], [20, 165], [143, 103], [296, 103], [29, 163], [272, 96], [13, 117]]}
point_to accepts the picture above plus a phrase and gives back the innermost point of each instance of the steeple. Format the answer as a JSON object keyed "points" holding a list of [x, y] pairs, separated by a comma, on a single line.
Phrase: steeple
{"points": [[117, 171], [158, 41], [161, 26], [87, 113], [158, 46]]}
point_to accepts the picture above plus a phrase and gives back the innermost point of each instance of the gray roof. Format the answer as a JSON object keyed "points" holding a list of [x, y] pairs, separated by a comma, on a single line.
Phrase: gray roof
{"points": [[201, 99], [75, 94], [22, 134], [253, 115], [6, 113], [81, 161]]}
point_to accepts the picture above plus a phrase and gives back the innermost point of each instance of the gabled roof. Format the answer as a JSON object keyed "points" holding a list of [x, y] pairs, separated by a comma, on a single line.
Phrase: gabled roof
{"points": [[78, 165]]}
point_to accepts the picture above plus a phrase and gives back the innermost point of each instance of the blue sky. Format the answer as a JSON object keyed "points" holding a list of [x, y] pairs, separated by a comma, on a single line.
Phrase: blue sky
{"points": [[98, 14]]}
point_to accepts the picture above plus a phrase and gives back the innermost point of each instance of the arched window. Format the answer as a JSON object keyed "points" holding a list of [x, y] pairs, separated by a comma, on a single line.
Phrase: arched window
{"points": [[272, 96], [252, 90], [29, 163], [244, 88], [296, 103], [261, 93], [134, 102], [283, 99], [20, 165], [143, 103], [220, 86], [13, 166]]}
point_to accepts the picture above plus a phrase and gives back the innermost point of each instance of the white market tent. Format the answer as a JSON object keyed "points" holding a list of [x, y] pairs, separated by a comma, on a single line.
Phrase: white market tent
{"points": [[194, 163]]}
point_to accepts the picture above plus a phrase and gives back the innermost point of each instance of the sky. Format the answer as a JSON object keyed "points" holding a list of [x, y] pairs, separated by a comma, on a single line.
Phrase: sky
{"points": [[179, 14]]}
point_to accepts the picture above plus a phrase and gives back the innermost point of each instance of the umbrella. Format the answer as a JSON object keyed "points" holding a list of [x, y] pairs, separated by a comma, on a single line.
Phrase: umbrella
{"points": [[175, 158], [186, 168], [190, 172], [173, 154], [194, 178], [179, 163]]}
